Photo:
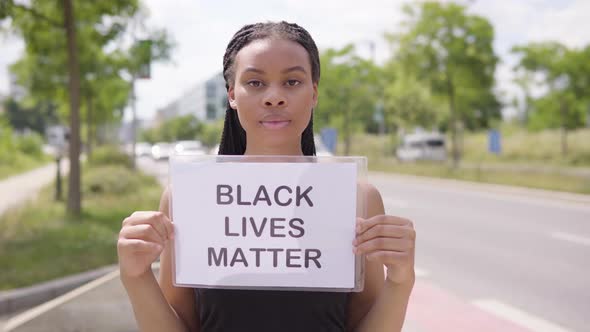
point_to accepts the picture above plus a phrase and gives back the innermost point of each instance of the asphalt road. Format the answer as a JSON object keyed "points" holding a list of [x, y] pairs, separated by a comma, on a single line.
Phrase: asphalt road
{"points": [[521, 256], [488, 259]]}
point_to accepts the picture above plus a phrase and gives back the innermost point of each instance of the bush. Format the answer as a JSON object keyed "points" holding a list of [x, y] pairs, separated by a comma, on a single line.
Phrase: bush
{"points": [[30, 144], [113, 180], [109, 155]]}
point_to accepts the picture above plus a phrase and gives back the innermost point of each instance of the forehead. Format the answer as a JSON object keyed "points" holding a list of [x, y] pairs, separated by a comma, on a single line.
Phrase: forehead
{"points": [[272, 53]]}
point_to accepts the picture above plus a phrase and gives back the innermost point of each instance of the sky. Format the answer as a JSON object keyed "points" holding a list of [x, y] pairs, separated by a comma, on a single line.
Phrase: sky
{"points": [[202, 28]]}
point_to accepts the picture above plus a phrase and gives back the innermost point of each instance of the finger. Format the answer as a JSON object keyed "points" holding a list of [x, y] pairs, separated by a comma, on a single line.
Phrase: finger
{"points": [[389, 257], [364, 224], [142, 232], [155, 218], [384, 243], [137, 245], [384, 230], [169, 227]]}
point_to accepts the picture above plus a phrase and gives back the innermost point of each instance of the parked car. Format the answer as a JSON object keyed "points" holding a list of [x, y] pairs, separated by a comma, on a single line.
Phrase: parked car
{"points": [[189, 147], [161, 150], [214, 150], [143, 149], [422, 146]]}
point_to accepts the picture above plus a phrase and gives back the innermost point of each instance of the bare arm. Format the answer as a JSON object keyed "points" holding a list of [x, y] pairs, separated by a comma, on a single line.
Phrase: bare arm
{"points": [[157, 307], [181, 299], [382, 305]]}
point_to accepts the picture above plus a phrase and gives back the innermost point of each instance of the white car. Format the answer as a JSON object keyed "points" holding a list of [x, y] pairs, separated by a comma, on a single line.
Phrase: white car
{"points": [[214, 150], [189, 147], [422, 146], [161, 150], [143, 149]]}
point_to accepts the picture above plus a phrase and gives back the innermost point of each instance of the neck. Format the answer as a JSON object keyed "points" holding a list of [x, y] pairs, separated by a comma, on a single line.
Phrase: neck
{"points": [[293, 149]]}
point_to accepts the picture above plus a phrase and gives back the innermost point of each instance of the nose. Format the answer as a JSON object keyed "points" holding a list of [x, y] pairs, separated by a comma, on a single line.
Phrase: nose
{"points": [[274, 97]]}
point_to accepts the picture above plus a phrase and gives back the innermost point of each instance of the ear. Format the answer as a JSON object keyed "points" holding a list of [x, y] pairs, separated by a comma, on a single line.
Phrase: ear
{"points": [[232, 98], [315, 95]]}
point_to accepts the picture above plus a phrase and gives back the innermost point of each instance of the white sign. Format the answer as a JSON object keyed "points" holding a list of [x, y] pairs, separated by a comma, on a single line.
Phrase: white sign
{"points": [[264, 224]]}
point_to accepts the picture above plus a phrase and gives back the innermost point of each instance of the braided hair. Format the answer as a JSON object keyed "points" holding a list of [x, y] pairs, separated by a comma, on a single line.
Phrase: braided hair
{"points": [[233, 138]]}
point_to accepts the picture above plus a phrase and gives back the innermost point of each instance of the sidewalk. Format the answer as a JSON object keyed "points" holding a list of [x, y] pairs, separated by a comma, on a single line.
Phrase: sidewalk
{"points": [[18, 189], [100, 305]]}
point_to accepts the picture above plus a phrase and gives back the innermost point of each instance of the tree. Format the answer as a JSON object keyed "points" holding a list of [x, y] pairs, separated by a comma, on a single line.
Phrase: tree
{"points": [[74, 35], [565, 76], [452, 50], [35, 117], [186, 127], [408, 103], [347, 92]]}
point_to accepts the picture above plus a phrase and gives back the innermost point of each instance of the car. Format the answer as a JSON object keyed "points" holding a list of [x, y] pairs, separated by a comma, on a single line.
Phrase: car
{"points": [[161, 150], [422, 146], [143, 149], [214, 150], [189, 147]]}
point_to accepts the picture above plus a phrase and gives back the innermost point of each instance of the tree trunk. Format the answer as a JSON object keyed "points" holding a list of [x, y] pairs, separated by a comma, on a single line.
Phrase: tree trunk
{"points": [[563, 128], [74, 199], [347, 134], [453, 124], [89, 126], [133, 124]]}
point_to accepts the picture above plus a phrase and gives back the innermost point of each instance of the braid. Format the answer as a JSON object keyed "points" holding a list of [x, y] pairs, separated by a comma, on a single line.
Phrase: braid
{"points": [[233, 139], [307, 141]]}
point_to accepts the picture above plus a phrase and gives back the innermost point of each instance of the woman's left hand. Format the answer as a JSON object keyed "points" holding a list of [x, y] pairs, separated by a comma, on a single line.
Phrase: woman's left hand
{"points": [[391, 241]]}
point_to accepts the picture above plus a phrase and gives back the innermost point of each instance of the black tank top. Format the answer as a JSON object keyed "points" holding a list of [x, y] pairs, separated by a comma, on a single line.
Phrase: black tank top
{"points": [[224, 310]]}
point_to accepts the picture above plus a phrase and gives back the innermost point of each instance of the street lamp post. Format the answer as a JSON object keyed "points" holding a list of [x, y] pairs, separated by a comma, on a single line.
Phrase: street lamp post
{"points": [[561, 84], [379, 116]]}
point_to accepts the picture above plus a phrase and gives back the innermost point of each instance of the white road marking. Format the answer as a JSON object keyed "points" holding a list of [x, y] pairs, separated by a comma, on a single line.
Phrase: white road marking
{"points": [[585, 241], [518, 316], [540, 197], [35, 312]]}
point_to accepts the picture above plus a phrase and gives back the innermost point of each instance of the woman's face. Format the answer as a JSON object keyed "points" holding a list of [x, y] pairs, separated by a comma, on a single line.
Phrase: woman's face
{"points": [[273, 94]]}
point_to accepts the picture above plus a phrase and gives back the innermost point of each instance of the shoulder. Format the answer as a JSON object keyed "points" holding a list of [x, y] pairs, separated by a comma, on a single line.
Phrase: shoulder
{"points": [[373, 200]]}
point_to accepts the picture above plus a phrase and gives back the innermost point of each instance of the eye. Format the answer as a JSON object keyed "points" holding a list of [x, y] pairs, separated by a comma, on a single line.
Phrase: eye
{"points": [[293, 82], [254, 83]]}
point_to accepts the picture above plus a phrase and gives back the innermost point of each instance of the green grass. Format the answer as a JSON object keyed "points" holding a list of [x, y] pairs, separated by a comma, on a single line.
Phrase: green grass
{"points": [[539, 153], [520, 146], [548, 181], [21, 163], [40, 242]]}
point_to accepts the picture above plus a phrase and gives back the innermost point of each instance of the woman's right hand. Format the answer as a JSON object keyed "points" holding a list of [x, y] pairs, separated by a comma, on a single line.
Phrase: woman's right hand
{"points": [[141, 240]]}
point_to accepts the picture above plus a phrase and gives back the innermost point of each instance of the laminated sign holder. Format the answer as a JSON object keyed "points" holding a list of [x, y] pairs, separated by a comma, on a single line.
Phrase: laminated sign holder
{"points": [[267, 222]]}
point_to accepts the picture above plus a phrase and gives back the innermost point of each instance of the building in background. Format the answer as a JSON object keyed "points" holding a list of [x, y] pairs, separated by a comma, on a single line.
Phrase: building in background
{"points": [[206, 101]]}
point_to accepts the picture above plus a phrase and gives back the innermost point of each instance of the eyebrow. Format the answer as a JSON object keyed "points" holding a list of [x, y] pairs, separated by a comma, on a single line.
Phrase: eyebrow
{"points": [[288, 70]]}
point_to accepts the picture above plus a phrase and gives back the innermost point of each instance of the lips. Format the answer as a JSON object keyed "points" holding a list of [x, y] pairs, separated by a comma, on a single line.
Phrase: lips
{"points": [[275, 124]]}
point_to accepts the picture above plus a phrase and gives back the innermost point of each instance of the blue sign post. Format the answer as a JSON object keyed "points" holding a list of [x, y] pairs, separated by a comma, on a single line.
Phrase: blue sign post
{"points": [[494, 142], [329, 138]]}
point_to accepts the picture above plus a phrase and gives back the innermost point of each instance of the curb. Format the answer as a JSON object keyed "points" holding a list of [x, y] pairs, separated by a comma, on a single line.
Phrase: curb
{"points": [[33, 313], [23, 298], [495, 188]]}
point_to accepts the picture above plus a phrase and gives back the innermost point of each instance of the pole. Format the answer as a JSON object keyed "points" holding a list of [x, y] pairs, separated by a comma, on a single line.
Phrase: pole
{"points": [[58, 178], [133, 123]]}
